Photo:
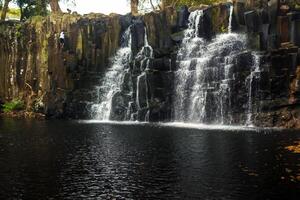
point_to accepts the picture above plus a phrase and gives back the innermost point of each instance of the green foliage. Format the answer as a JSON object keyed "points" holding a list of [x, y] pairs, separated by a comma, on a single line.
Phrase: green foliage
{"points": [[19, 30], [192, 2], [158, 3], [224, 29], [295, 4], [30, 8], [14, 105], [13, 13]]}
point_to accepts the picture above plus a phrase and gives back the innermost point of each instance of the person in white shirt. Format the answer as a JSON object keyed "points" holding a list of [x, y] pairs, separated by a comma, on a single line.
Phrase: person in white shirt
{"points": [[62, 38]]}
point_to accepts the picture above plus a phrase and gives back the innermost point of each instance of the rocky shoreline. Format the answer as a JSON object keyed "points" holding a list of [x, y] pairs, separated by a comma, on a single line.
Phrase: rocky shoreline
{"points": [[23, 115], [285, 119]]}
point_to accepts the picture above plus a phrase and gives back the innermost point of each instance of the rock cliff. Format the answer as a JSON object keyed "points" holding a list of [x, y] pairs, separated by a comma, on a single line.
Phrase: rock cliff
{"points": [[35, 67], [60, 81]]}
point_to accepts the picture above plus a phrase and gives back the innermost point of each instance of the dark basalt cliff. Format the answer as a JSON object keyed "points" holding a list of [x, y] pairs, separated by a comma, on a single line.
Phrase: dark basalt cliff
{"points": [[35, 68], [274, 27], [60, 82]]}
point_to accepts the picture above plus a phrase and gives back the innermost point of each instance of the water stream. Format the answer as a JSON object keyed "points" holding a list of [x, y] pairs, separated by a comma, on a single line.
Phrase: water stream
{"points": [[203, 80], [146, 54], [113, 79], [118, 99], [230, 19], [252, 91]]}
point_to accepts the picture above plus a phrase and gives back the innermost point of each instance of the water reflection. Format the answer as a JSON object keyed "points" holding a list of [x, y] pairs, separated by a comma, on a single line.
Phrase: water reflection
{"points": [[68, 160]]}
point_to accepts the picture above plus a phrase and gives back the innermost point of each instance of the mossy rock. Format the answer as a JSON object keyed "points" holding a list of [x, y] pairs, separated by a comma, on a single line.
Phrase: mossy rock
{"points": [[14, 105]]}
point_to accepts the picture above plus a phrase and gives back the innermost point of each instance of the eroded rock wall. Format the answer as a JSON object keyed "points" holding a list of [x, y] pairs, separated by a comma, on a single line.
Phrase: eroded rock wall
{"points": [[273, 29], [61, 81], [36, 68]]}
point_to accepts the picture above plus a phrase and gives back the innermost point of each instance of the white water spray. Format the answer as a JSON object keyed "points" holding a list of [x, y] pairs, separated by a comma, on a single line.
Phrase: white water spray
{"points": [[254, 74], [202, 82], [230, 19], [113, 79]]}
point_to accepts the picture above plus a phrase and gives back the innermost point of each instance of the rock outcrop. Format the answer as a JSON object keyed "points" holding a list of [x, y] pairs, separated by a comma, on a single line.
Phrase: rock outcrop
{"points": [[273, 27], [60, 81], [35, 67]]}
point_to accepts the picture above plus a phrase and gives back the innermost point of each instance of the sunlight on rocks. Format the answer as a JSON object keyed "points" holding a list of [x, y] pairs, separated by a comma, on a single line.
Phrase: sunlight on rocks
{"points": [[295, 148]]}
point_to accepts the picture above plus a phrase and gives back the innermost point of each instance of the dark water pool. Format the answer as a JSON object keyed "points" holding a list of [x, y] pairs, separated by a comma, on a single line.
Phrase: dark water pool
{"points": [[76, 160]]}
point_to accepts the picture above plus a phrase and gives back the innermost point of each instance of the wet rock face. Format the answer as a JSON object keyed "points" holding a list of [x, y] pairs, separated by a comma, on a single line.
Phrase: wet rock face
{"points": [[35, 67], [60, 81], [273, 27], [138, 36], [183, 16], [294, 19]]}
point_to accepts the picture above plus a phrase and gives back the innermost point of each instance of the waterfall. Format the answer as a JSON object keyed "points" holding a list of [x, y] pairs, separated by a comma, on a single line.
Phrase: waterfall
{"points": [[204, 76], [113, 79], [146, 53], [138, 83], [205, 83], [230, 19], [118, 98], [255, 74]]}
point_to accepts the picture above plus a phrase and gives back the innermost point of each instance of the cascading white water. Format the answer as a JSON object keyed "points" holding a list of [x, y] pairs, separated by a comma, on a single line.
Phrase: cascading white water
{"points": [[255, 73], [204, 75], [118, 99], [113, 79], [204, 82], [138, 104], [147, 54], [230, 19]]}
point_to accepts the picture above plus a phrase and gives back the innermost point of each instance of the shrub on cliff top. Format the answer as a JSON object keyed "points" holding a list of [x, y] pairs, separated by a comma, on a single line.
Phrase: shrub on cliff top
{"points": [[14, 105], [193, 2], [12, 13]]}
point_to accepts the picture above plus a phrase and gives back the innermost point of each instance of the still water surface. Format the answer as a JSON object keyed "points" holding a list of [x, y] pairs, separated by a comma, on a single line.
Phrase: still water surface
{"points": [[82, 160]]}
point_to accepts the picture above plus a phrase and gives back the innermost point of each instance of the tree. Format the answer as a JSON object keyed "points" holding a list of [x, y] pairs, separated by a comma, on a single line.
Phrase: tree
{"points": [[30, 8], [137, 5], [55, 8], [162, 4], [4, 9], [21, 4], [54, 5], [165, 3], [134, 4]]}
